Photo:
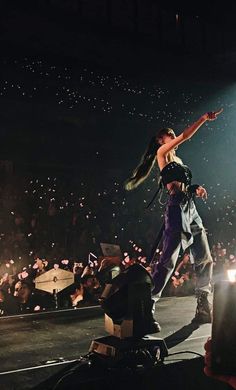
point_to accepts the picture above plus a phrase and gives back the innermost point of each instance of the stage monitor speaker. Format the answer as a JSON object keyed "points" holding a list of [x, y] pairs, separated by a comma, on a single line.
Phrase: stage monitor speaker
{"points": [[129, 299]]}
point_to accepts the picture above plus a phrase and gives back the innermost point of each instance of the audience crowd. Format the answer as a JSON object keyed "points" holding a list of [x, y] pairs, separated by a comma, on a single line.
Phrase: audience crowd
{"points": [[57, 223]]}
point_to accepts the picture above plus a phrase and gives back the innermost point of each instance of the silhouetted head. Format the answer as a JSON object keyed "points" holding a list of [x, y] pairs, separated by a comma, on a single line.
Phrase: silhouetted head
{"points": [[148, 159]]}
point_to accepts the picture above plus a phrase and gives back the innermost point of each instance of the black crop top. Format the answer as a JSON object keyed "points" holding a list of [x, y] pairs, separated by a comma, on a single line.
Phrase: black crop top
{"points": [[176, 172]]}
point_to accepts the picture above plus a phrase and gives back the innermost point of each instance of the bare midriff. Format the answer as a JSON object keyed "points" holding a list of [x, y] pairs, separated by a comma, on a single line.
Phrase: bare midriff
{"points": [[175, 187]]}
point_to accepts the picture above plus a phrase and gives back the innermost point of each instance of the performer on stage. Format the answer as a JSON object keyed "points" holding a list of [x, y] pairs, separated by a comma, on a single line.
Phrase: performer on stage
{"points": [[182, 223]]}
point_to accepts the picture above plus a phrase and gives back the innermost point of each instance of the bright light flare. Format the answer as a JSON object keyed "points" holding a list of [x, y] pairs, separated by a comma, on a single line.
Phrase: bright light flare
{"points": [[232, 275]]}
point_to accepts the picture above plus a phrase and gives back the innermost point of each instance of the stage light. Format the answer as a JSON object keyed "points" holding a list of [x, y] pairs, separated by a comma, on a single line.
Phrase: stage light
{"points": [[231, 275], [128, 306]]}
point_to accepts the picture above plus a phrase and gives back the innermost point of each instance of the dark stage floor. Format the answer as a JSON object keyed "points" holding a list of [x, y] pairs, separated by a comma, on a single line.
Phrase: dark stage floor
{"points": [[36, 348]]}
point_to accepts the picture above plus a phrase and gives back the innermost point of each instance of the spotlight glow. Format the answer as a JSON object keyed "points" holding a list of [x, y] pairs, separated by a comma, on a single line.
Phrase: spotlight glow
{"points": [[232, 275]]}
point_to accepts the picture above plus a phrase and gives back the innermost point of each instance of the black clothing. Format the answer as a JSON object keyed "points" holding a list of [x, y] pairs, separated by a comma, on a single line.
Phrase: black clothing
{"points": [[176, 172], [182, 227]]}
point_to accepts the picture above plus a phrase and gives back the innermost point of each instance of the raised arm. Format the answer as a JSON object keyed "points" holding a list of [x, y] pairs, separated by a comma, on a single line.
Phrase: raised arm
{"points": [[187, 133]]}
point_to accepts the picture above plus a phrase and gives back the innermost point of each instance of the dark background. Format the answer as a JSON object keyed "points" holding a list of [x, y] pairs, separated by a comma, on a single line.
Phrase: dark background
{"points": [[85, 84]]}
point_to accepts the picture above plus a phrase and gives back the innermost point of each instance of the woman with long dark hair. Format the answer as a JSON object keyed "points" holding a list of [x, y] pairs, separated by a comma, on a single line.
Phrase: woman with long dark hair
{"points": [[182, 223]]}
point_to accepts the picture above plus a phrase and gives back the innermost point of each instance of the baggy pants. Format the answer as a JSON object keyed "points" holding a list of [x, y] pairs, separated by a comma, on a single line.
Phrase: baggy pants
{"points": [[183, 227]]}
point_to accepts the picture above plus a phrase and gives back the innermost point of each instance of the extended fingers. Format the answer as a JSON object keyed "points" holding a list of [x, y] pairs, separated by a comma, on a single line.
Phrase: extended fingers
{"points": [[219, 111], [213, 114], [201, 192], [205, 194]]}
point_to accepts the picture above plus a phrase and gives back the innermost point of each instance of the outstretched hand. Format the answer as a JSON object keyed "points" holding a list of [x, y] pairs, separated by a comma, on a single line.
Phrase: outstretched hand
{"points": [[201, 192], [211, 116]]}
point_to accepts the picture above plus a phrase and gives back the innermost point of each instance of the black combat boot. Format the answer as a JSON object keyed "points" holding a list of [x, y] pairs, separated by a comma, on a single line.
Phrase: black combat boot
{"points": [[204, 309], [155, 327]]}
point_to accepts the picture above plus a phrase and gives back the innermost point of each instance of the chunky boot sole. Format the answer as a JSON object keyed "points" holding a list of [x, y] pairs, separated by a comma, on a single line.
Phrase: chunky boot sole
{"points": [[203, 313], [155, 327], [201, 318]]}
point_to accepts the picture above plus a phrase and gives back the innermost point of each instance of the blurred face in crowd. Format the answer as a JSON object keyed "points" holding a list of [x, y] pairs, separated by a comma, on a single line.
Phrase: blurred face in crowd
{"points": [[17, 289], [22, 291], [78, 268], [39, 263], [90, 283], [5, 277]]}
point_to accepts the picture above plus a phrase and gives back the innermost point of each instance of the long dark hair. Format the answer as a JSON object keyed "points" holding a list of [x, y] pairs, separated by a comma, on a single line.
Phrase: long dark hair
{"points": [[147, 161]]}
